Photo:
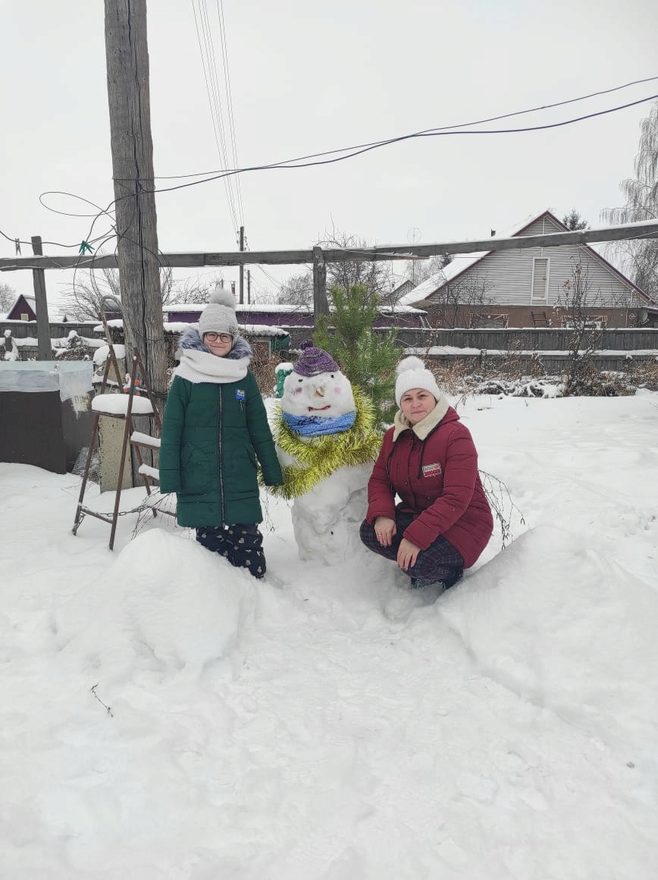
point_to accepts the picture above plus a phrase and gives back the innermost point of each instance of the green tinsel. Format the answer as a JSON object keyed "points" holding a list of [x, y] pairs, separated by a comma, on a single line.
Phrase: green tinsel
{"points": [[319, 457]]}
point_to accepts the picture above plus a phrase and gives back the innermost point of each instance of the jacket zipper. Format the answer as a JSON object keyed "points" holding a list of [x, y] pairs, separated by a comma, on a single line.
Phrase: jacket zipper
{"points": [[422, 456], [219, 456]]}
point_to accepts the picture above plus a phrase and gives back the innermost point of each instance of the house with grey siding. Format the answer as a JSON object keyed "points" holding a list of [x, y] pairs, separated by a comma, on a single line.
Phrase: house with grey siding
{"points": [[530, 287]]}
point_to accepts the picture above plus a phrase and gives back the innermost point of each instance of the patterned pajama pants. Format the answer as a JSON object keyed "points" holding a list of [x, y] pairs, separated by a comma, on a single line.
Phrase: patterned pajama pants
{"points": [[441, 563], [241, 544]]}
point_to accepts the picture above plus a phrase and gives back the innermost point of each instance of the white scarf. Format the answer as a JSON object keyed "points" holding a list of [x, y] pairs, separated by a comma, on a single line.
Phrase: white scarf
{"points": [[201, 366]]}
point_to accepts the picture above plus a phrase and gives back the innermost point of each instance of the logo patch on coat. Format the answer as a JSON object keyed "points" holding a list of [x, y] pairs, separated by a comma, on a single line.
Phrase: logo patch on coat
{"points": [[239, 394], [432, 470]]}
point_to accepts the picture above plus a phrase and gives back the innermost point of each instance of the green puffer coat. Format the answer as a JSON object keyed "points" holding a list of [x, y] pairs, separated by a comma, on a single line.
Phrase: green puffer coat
{"points": [[211, 437]]}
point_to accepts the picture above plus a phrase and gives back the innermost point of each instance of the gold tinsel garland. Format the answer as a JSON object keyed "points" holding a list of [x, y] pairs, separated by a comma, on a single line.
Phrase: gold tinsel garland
{"points": [[319, 457]]}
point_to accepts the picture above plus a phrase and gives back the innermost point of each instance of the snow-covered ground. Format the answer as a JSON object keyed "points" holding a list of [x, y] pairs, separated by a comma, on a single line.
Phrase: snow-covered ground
{"points": [[327, 724]]}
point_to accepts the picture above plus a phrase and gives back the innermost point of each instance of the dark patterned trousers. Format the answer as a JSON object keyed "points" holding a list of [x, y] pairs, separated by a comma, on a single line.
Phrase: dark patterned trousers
{"points": [[241, 544], [441, 563]]}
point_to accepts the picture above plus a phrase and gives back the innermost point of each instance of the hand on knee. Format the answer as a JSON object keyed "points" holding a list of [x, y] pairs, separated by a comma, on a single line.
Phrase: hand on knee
{"points": [[407, 554]]}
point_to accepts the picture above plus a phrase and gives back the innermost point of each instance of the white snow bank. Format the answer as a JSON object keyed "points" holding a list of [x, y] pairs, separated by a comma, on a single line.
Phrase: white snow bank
{"points": [[110, 403], [324, 723], [165, 607], [102, 353], [567, 639]]}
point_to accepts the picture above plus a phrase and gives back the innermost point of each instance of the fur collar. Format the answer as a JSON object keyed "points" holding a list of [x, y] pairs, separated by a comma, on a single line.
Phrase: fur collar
{"points": [[197, 364], [422, 428]]}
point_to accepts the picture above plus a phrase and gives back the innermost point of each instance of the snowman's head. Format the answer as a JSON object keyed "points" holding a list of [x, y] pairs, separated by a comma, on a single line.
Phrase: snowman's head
{"points": [[327, 395], [316, 386]]}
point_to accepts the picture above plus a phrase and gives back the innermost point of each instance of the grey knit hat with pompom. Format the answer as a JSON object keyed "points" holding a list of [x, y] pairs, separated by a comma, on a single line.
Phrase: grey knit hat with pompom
{"points": [[219, 315]]}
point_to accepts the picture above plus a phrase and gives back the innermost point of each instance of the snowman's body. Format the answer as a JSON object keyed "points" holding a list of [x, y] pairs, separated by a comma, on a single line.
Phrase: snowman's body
{"points": [[321, 427], [326, 519]]}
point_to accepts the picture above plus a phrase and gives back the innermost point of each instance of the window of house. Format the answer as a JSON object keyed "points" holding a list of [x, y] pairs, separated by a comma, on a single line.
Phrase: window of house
{"points": [[540, 268], [24, 316]]}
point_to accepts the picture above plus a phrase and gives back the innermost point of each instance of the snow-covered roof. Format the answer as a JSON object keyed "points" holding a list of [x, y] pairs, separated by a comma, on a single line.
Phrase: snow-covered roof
{"points": [[263, 330], [184, 307], [455, 267], [182, 326], [280, 308], [401, 309], [240, 307]]}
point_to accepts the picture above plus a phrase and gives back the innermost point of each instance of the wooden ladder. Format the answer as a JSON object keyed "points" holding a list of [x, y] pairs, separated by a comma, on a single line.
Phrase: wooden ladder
{"points": [[137, 402]]}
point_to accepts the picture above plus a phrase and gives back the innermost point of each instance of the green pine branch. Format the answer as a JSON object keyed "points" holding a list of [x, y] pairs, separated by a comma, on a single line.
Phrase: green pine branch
{"points": [[368, 359]]}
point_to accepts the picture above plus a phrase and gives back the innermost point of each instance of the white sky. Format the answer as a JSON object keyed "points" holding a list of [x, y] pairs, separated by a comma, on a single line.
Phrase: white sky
{"points": [[308, 77]]}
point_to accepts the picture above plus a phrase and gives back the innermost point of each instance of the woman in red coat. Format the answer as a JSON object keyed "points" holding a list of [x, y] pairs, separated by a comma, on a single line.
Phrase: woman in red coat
{"points": [[443, 521]]}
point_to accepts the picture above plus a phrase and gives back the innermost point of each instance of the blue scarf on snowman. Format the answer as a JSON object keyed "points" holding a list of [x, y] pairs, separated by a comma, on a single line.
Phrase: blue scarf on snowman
{"points": [[316, 426]]}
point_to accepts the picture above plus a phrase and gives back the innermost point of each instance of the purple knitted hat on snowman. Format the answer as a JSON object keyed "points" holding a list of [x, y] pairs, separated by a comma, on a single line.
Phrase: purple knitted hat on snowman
{"points": [[314, 361]]}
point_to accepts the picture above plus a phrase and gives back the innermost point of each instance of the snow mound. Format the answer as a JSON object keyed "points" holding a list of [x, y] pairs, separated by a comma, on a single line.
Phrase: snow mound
{"points": [[563, 626], [166, 605]]}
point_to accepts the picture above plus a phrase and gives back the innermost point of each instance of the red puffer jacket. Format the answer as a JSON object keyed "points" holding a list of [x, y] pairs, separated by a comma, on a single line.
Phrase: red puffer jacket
{"points": [[438, 479]]}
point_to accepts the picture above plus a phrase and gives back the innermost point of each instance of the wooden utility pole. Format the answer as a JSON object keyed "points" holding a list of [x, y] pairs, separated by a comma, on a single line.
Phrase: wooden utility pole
{"points": [[132, 166], [248, 285], [45, 348], [320, 301], [241, 266]]}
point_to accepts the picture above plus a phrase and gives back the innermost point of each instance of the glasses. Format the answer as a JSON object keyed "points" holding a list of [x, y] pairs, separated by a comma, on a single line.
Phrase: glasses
{"points": [[222, 337]]}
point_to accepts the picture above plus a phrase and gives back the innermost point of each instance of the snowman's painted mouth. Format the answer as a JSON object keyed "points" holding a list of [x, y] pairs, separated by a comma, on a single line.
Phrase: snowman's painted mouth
{"points": [[319, 408]]}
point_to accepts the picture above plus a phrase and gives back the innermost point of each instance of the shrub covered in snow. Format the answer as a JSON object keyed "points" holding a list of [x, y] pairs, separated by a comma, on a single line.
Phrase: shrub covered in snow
{"points": [[74, 349], [509, 377]]}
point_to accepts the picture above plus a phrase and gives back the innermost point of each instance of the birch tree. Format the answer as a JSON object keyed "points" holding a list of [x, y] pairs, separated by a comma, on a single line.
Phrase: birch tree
{"points": [[640, 256]]}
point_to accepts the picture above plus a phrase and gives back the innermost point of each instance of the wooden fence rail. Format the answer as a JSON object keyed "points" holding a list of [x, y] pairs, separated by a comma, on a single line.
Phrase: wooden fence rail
{"points": [[319, 256]]}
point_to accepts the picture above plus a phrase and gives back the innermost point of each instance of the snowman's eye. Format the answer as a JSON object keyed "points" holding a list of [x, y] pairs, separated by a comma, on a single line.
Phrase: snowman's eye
{"points": [[300, 380], [332, 375]]}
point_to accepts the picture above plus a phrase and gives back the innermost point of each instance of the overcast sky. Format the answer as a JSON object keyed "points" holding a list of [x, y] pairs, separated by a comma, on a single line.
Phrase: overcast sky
{"points": [[309, 76]]}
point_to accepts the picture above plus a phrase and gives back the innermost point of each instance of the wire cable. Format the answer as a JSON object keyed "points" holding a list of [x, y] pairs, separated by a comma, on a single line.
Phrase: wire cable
{"points": [[426, 131], [229, 100], [301, 163], [429, 133], [206, 51]]}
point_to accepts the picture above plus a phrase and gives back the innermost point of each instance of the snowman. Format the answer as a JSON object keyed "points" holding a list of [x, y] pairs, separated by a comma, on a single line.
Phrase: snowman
{"points": [[327, 442]]}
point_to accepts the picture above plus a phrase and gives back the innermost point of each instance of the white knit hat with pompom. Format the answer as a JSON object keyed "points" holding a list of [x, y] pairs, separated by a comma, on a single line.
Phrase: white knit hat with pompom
{"points": [[412, 373], [219, 315]]}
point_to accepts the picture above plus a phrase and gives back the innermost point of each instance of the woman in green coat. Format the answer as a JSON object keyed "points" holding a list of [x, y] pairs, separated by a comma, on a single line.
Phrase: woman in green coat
{"points": [[215, 429]]}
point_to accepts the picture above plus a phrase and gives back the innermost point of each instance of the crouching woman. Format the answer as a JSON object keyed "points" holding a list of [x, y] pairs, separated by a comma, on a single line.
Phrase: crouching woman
{"points": [[215, 427], [443, 521]]}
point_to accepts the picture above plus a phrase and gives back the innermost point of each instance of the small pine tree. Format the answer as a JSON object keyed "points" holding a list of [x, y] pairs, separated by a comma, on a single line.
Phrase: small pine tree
{"points": [[368, 359], [574, 222]]}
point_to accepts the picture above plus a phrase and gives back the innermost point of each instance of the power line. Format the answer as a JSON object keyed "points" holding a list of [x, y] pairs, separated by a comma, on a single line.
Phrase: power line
{"points": [[276, 283], [88, 240], [286, 165], [206, 50], [229, 100], [429, 131]]}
